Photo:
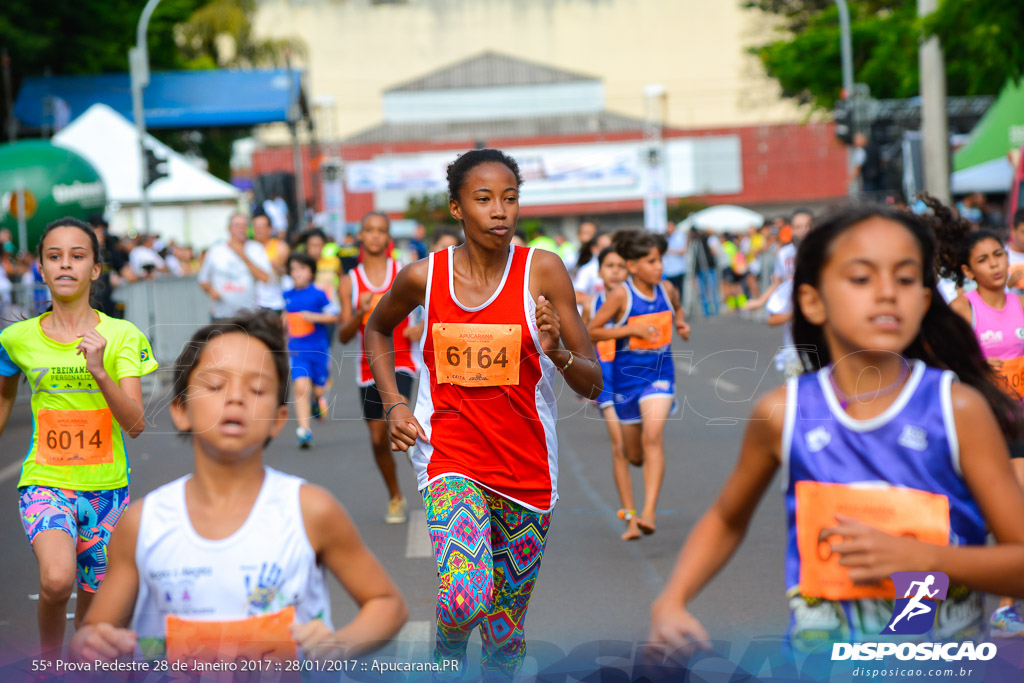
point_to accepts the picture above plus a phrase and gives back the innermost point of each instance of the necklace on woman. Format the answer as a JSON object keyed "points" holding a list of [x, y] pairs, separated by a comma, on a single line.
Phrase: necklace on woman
{"points": [[846, 399]]}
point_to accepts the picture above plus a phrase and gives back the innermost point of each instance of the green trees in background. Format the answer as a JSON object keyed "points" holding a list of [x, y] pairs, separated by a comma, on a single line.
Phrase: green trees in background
{"points": [[981, 42], [93, 36]]}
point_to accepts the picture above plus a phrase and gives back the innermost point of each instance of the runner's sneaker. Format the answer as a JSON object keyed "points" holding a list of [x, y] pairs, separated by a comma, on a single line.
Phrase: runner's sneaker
{"points": [[1005, 622], [305, 437], [396, 511]]}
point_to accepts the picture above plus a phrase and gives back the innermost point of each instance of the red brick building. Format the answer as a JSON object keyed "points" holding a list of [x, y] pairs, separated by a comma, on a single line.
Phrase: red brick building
{"points": [[577, 157]]}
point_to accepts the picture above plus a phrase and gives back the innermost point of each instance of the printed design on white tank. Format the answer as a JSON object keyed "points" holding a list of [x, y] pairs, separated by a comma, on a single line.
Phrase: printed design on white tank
{"points": [[266, 565]]}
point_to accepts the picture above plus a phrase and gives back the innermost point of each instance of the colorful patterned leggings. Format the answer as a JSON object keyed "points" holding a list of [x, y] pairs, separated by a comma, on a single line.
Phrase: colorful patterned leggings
{"points": [[488, 552]]}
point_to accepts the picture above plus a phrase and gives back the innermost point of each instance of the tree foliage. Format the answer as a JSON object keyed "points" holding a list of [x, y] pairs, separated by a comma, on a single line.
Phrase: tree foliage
{"points": [[93, 36], [431, 210], [980, 39]]}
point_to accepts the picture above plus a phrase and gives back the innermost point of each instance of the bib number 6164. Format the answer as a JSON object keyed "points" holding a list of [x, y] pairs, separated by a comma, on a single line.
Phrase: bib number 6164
{"points": [[484, 359]]}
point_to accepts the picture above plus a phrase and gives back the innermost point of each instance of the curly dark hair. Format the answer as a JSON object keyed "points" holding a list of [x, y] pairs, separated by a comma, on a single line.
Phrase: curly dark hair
{"points": [[460, 168], [955, 237]]}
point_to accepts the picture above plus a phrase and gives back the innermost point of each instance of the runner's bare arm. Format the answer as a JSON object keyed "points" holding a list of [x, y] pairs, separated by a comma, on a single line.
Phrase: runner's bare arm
{"points": [[962, 307], [322, 318], [337, 544], [124, 397], [612, 310], [560, 326], [719, 532], [349, 319], [985, 462], [8, 393], [682, 327], [406, 293], [104, 633]]}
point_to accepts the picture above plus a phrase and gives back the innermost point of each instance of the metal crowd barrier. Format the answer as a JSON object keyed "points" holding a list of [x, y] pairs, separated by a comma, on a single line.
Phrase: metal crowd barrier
{"points": [[169, 311]]}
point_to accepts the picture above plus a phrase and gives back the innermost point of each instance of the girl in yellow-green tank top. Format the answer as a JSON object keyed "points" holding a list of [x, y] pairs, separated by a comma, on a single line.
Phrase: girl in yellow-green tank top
{"points": [[83, 370]]}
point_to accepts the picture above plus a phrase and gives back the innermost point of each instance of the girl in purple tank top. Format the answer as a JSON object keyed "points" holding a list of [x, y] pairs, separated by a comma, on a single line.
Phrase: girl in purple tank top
{"points": [[889, 464], [997, 317]]}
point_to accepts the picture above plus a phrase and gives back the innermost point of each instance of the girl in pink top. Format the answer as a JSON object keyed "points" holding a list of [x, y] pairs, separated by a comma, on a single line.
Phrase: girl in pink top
{"points": [[997, 317]]}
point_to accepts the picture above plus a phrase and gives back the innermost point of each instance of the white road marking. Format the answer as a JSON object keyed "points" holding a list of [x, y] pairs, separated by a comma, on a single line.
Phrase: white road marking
{"points": [[726, 384], [416, 641], [417, 543]]}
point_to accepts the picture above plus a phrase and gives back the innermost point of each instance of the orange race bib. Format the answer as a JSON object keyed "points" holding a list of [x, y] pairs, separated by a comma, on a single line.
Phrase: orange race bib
{"points": [[298, 326], [74, 437], [267, 636], [894, 510], [471, 355], [1012, 376], [374, 300], [606, 350], [661, 326]]}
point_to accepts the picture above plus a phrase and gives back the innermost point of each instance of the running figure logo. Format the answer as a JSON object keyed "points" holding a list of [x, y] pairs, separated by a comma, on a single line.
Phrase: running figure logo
{"points": [[914, 613]]}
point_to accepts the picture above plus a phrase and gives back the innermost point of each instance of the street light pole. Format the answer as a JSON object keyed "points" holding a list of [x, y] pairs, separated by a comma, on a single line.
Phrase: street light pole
{"points": [[138, 62], [934, 126], [849, 92]]}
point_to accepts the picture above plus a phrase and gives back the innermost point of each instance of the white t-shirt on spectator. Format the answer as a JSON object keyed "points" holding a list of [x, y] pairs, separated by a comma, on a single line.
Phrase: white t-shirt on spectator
{"points": [[785, 262], [268, 294], [227, 274], [675, 264], [140, 257], [587, 279]]}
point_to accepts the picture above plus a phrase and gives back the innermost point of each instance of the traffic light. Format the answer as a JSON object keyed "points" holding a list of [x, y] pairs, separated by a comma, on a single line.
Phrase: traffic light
{"points": [[843, 115], [156, 168]]}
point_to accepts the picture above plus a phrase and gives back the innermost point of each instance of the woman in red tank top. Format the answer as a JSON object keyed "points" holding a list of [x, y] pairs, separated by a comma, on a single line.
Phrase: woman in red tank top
{"points": [[500, 322]]}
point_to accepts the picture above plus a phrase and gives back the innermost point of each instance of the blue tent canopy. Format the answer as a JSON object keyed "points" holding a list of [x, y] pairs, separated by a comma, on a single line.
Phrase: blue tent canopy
{"points": [[173, 99]]}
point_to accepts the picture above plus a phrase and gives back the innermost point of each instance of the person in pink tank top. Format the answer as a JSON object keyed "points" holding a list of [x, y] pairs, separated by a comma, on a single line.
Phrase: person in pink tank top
{"points": [[997, 318], [500, 323]]}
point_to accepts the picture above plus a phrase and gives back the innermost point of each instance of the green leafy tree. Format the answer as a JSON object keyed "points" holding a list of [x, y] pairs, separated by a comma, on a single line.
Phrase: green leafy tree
{"points": [[981, 42], [220, 34], [93, 36], [683, 207], [431, 210]]}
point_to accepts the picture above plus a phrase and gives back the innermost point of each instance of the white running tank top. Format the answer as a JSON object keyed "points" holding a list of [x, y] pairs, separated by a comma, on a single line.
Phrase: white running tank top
{"points": [[265, 566]]}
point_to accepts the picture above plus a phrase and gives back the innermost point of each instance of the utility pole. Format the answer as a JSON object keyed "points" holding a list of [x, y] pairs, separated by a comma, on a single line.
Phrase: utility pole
{"points": [[9, 124], [294, 117], [655, 207], [934, 124], [138, 63], [849, 92]]}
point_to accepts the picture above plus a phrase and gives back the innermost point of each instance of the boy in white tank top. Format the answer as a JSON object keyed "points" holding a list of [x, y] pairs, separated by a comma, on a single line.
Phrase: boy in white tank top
{"points": [[229, 561]]}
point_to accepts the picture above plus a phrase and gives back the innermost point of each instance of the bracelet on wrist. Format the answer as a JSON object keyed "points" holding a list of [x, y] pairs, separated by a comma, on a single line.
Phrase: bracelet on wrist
{"points": [[388, 414], [568, 363]]}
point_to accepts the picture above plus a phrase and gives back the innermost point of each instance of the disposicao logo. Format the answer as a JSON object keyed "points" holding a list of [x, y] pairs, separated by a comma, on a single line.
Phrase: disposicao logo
{"points": [[914, 614]]}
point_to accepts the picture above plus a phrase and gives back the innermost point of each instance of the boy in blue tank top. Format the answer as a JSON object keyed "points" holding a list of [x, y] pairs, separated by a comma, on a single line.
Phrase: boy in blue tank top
{"points": [[643, 373]]}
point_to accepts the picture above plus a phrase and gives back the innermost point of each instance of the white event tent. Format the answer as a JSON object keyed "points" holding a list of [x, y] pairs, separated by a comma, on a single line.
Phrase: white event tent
{"points": [[190, 206]]}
